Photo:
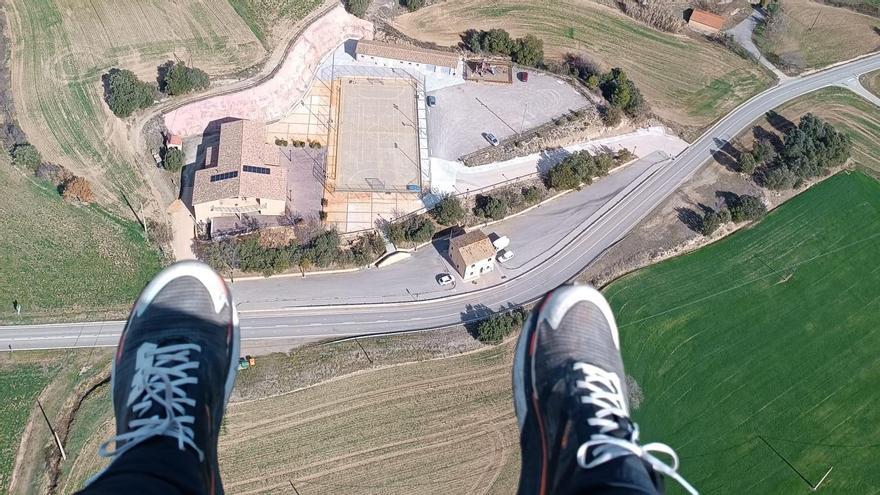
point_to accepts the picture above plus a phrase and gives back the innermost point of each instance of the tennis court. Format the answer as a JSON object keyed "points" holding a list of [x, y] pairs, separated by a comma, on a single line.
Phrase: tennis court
{"points": [[377, 144]]}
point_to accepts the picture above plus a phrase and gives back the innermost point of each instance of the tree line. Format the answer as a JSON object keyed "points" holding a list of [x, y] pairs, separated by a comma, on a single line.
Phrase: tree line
{"points": [[528, 50], [125, 93]]}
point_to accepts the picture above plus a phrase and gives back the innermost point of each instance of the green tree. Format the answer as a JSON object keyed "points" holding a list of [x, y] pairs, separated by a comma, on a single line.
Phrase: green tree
{"points": [[528, 50], [357, 7], [532, 194], [180, 79], [473, 39], [497, 41], [126, 93], [747, 208], [563, 176], [592, 81], [173, 161], [449, 211], [747, 163], [711, 222], [414, 5], [490, 207], [495, 328], [762, 151], [26, 156]]}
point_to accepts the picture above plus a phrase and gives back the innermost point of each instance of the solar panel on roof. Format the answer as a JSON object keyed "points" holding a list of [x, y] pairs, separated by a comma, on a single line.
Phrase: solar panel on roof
{"points": [[257, 170], [224, 176]]}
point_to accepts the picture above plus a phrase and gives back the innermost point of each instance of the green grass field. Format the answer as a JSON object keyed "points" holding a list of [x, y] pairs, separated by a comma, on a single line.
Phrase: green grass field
{"points": [[60, 260], [771, 333], [20, 384], [261, 15]]}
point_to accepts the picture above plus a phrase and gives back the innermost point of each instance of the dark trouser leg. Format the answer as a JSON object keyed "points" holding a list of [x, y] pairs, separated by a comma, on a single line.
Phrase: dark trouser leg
{"points": [[155, 467], [622, 476]]}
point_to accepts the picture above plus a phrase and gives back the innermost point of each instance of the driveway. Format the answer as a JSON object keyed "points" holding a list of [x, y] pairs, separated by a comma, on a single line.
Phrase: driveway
{"points": [[742, 34], [465, 111]]}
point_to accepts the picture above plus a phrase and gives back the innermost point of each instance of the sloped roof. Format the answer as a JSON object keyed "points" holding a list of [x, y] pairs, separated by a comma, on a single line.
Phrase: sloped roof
{"points": [[708, 19], [407, 53], [242, 143], [473, 246]]}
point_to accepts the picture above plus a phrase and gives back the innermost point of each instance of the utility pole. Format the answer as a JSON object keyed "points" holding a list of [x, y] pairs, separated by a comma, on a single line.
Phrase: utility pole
{"points": [[294, 487], [57, 440], [365, 351]]}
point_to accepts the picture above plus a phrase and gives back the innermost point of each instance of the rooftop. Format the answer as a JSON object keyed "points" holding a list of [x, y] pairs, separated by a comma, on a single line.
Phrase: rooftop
{"points": [[408, 53], [709, 19], [246, 166], [473, 246]]}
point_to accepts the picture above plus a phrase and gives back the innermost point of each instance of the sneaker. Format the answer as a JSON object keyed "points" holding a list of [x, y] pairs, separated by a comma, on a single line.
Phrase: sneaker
{"points": [[176, 364], [570, 396]]}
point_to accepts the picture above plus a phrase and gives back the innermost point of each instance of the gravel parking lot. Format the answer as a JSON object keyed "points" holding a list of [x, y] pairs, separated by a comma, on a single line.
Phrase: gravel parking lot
{"points": [[465, 111]]}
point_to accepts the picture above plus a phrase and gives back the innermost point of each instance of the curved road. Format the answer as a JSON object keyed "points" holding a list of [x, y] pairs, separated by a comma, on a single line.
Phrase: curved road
{"points": [[563, 237]]}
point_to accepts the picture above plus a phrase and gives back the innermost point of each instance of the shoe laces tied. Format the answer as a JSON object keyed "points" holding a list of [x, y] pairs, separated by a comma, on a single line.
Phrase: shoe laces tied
{"points": [[604, 391], [160, 373]]}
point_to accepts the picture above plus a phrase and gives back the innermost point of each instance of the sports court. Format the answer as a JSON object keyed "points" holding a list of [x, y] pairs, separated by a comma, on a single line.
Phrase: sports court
{"points": [[377, 147]]}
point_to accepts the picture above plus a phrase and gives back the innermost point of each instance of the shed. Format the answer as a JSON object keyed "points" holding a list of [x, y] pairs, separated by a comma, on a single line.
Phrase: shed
{"points": [[706, 22]]}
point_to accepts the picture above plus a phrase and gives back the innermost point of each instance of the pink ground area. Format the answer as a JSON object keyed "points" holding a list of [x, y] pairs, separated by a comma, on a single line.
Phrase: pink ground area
{"points": [[276, 97]]}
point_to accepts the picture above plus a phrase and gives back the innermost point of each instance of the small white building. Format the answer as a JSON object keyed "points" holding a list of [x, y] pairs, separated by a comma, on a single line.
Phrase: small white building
{"points": [[472, 254], [408, 57]]}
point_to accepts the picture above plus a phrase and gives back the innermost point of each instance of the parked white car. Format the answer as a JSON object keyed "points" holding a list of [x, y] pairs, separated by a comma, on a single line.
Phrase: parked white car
{"points": [[444, 279], [491, 138], [504, 255]]}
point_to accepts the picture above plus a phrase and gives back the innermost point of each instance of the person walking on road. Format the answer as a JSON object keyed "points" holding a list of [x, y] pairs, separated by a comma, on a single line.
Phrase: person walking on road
{"points": [[176, 362]]}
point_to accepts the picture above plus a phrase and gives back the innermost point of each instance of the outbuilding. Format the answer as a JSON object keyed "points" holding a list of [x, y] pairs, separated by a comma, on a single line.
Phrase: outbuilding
{"points": [[705, 22], [472, 254]]}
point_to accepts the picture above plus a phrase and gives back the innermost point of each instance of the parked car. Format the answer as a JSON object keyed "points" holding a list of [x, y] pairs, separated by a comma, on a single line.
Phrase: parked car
{"points": [[504, 255], [444, 279], [432, 100], [523, 76], [491, 138]]}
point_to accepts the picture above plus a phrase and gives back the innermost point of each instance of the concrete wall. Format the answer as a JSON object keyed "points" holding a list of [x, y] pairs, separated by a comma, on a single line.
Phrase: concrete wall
{"points": [[401, 64], [254, 206]]}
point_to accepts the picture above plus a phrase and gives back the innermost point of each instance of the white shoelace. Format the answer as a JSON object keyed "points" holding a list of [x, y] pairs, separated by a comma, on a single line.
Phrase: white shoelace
{"points": [[159, 374], [605, 392]]}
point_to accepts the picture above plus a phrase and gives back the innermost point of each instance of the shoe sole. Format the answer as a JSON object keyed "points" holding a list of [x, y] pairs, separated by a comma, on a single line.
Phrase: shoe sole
{"points": [[552, 309]]}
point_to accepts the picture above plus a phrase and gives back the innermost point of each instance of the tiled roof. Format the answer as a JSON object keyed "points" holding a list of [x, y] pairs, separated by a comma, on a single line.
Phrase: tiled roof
{"points": [[708, 19], [407, 53], [473, 246], [242, 142]]}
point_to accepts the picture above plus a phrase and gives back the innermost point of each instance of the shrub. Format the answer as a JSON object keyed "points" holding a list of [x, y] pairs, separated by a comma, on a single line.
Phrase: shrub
{"points": [[497, 41], [747, 163], [357, 7], [528, 50], [498, 326], [449, 211], [747, 208], [532, 194], [298, 144], [367, 249], [180, 79], [563, 176], [50, 172], [174, 160], [158, 232], [711, 222], [314, 145], [777, 178], [26, 156], [612, 116], [473, 40], [77, 189], [280, 142], [126, 93], [416, 229], [490, 207], [414, 5], [592, 81]]}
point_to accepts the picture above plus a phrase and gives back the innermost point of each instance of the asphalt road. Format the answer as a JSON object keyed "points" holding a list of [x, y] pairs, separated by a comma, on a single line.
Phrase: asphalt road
{"points": [[553, 243]]}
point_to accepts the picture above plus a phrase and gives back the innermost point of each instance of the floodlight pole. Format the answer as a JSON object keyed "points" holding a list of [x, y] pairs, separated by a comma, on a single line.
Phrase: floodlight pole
{"points": [[55, 435]]}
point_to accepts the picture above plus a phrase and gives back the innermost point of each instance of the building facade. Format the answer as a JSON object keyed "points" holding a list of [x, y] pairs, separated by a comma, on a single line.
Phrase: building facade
{"points": [[244, 178], [408, 57], [472, 254]]}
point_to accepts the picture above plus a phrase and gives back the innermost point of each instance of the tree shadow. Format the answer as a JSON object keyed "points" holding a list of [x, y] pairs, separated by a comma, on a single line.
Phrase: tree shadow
{"points": [[472, 315], [729, 198], [772, 138], [690, 218], [161, 72], [778, 122], [105, 82], [726, 154], [550, 158]]}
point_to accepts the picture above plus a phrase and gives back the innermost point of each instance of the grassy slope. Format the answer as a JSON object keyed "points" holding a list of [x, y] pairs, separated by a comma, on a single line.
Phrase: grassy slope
{"points": [[20, 384], [686, 81], [774, 332], [261, 15], [817, 35], [871, 81], [61, 259]]}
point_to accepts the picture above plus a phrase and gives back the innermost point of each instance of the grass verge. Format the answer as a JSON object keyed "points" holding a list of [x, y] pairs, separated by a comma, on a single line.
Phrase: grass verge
{"points": [[771, 333]]}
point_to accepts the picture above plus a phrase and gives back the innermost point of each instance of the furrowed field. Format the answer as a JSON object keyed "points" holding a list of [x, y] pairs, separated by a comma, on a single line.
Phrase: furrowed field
{"points": [[688, 82], [772, 333]]}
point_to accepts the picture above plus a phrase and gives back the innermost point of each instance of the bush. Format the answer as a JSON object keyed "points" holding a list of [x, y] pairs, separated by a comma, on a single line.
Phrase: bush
{"points": [[495, 328], [747, 163], [415, 229], [777, 178], [413, 5], [77, 189], [174, 160], [622, 93], [280, 142], [532, 194], [592, 81], [298, 144], [490, 207], [612, 116], [497, 41], [711, 222], [367, 249], [50, 172], [26, 156], [180, 79], [747, 208], [126, 93], [563, 176], [357, 7], [449, 211], [528, 50], [314, 145]]}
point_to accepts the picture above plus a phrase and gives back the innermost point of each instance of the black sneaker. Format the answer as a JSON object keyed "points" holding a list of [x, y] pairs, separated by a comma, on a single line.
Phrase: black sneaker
{"points": [[569, 393], [175, 365]]}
